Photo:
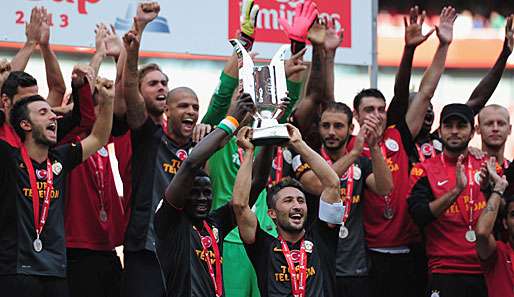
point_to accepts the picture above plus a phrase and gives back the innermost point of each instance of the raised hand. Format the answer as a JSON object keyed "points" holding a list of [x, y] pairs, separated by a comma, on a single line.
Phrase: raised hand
{"points": [[318, 31], [5, 70], [414, 26], [131, 39], [333, 38], [294, 65], [113, 43], [100, 35], [484, 176], [44, 37], [305, 14], [284, 104], [80, 73], [460, 173], [200, 131], [360, 138], [105, 89], [295, 137], [445, 28], [248, 19], [244, 137], [146, 12], [372, 126], [509, 32], [32, 28], [244, 105], [499, 183]]}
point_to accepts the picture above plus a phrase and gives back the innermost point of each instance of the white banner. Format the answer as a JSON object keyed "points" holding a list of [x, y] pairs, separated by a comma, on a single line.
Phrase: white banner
{"points": [[200, 27]]}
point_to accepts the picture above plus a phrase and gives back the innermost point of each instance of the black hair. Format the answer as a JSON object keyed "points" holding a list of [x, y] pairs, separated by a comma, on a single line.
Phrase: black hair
{"points": [[340, 107], [17, 79], [508, 200], [20, 112], [283, 183], [366, 93]]}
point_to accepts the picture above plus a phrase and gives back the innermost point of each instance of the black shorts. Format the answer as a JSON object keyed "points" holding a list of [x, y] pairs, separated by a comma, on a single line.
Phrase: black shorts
{"points": [[142, 275], [352, 286], [93, 273], [457, 285], [20, 285]]}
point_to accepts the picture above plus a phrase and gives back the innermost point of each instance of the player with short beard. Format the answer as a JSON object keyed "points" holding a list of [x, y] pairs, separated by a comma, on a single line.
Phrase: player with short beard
{"points": [[446, 201]]}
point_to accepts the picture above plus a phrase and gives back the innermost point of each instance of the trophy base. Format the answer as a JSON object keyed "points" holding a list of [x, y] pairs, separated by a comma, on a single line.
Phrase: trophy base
{"points": [[272, 135]]}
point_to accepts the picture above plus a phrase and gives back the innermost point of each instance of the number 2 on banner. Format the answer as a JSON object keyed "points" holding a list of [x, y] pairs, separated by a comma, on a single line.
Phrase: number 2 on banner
{"points": [[20, 19]]}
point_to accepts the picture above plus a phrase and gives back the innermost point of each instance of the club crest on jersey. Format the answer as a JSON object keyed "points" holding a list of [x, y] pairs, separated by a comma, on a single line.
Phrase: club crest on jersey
{"points": [[437, 145], [308, 246], [427, 149], [206, 241], [392, 145], [287, 155], [181, 154], [215, 232], [103, 152], [56, 168], [478, 179], [41, 173], [356, 172]]}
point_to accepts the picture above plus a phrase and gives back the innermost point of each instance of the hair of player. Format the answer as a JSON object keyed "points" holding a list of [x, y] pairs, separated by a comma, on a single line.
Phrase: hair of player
{"points": [[17, 79], [497, 107], [20, 112], [339, 107], [283, 183], [366, 93], [143, 71]]}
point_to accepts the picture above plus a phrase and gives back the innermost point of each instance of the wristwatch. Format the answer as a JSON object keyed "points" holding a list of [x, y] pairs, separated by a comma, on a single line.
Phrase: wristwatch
{"points": [[500, 193]]}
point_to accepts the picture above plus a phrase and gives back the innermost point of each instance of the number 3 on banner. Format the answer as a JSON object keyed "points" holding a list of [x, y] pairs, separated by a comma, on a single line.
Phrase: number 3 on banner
{"points": [[20, 19]]}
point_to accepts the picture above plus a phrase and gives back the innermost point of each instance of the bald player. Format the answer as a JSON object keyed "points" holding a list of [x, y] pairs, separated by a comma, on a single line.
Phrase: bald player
{"points": [[494, 128]]}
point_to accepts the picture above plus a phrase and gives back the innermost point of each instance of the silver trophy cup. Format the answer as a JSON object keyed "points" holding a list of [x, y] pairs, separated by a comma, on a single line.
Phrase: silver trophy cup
{"points": [[267, 86]]}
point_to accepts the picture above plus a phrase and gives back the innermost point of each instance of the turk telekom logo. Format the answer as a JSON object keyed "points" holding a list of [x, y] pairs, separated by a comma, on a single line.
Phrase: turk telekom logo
{"points": [[268, 27]]}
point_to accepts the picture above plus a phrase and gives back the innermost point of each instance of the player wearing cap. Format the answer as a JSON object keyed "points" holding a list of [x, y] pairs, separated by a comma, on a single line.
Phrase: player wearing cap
{"points": [[446, 200]]}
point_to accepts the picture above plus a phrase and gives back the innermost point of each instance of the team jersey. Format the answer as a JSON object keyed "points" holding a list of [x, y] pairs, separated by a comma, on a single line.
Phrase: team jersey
{"points": [[183, 250], [398, 230], [17, 252], [499, 271], [448, 250]]}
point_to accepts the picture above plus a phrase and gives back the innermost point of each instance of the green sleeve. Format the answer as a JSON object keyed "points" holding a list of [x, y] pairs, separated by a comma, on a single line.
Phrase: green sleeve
{"points": [[220, 101], [294, 89]]}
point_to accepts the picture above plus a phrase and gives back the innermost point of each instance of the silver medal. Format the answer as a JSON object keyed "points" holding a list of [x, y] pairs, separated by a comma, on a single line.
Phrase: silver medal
{"points": [[388, 213], [103, 215], [471, 236], [38, 245], [343, 232]]}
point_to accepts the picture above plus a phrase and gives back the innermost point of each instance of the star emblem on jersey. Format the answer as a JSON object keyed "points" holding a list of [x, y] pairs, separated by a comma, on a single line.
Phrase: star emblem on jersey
{"points": [[392, 145], [426, 149], [308, 246], [103, 152], [41, 173], [56, 168], [295, 256], [181, 154], [435, 293], [206, 241]]}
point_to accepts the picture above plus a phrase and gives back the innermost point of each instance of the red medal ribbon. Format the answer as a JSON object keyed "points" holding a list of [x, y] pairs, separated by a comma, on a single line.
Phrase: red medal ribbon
{"points": [[298, 280], [97, 164], [347, 201], [39, 221], [387, 198], [468, 218], [216, 278]]}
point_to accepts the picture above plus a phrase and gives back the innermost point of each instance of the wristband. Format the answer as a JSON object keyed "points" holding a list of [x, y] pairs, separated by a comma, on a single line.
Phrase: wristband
{"points": [[229, 125], [246, 41], [296, 46], [497, 192]]}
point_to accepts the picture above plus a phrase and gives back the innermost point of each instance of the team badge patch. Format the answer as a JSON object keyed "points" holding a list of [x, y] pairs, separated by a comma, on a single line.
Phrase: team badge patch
{"points": [[216, 233], [41, 173], [308, 246], [295, 256], [206, 241], [356, 173], [437, 145], [427, 149], [56, 168], [287, 156], [392, 145], [181, 154], [103, 152]]}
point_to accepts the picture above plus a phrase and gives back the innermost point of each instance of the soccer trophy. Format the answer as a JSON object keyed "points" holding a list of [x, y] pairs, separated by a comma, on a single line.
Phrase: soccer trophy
{"points": [[267, 86]]}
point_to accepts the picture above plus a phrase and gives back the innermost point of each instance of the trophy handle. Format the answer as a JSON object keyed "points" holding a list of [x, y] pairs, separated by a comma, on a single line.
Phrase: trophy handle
{"points": [[246, 66], [278, 73]]}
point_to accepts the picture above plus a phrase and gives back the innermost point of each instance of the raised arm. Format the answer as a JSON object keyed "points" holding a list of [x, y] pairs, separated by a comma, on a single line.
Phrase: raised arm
{"points": [[329, 179], [33, 34], [485, 89], [245, 217], [102, 128], [416, 112], [54, 78], [486, 243], [182, 182], [413, 38], [332, 42], [100, 50], [114, 48], [381, 181]]}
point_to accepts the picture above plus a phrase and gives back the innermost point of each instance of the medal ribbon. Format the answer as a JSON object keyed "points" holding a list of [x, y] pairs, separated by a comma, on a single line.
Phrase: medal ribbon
{"points": [[421, 155], [347, 201], [468, 218], [216, 278], [97, 164], [387, 198], [280, 166], [39, 221], [298, 280]]}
